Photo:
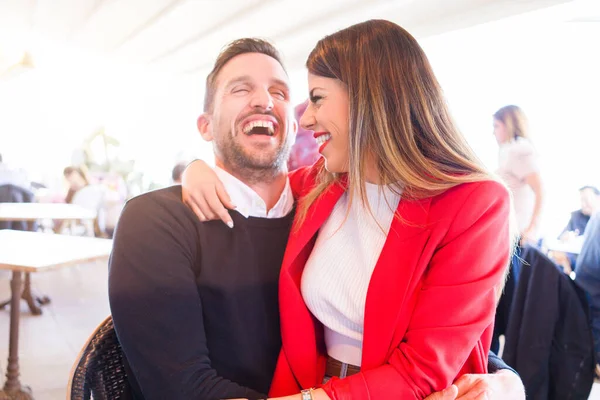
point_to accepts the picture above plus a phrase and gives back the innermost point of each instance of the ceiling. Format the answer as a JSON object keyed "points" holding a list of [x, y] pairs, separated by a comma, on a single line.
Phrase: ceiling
{"points": [[184, 36]]}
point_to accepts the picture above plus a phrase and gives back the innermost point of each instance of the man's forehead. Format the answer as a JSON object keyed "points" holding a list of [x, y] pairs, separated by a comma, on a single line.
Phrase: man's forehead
{"points": [[252, 67]]}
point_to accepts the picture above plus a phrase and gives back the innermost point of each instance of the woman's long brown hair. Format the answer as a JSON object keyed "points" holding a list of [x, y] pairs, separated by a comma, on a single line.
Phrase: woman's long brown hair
{"points": [[398, 117]]}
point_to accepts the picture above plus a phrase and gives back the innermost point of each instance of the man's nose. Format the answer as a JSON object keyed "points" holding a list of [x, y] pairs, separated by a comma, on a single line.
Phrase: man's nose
{"points": [[262, 99]]}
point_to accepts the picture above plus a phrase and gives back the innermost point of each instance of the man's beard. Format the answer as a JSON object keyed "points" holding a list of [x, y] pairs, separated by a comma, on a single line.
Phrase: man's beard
{"points": [[252, 166]]}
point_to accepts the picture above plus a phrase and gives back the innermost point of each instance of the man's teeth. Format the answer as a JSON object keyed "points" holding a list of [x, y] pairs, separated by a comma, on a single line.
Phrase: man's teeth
{"points": [[259, 124], [323, 138]]}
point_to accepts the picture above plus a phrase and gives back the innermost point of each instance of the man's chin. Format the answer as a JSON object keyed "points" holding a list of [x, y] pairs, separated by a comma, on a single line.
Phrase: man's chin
{"points": [[257, 160]]}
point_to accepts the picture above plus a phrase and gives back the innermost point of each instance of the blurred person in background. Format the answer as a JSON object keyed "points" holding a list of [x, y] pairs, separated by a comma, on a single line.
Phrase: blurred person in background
{"points": [[518, 166], [100, 197], [177, 172], [77, 178], [13, 176], [590, 203], [588, 278]]}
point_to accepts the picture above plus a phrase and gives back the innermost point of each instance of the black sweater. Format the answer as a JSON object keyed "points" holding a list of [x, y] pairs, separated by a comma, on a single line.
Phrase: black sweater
{"points": [[195, 304]]}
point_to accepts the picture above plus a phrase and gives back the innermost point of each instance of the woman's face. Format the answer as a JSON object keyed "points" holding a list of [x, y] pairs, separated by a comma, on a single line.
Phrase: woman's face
{"points": [[75, 180], [327, 116], [500, 132]]}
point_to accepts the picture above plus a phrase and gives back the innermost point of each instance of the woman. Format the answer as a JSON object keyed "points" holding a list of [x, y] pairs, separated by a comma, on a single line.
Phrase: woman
{"points": [[518, 166], [77, 179], [401, 238]]}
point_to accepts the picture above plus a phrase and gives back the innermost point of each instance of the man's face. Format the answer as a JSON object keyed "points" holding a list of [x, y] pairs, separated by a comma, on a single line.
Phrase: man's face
{"points": [[590, 201], [251, 121]]}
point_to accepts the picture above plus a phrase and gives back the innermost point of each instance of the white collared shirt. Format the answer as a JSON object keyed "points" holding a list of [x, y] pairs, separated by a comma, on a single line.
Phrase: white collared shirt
{"points": [[249, 203]]}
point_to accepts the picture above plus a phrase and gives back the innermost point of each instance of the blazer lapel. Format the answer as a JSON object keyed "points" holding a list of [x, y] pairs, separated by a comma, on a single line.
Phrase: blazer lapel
{"points": [[298, 327], [315, 218], [392, 280]]}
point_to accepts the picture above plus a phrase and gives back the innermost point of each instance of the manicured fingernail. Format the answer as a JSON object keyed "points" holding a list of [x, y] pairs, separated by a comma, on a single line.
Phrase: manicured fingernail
{"points": [[230, 224]]}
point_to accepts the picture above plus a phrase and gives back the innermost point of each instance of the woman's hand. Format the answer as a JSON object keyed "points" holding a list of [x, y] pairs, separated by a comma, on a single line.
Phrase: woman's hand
{"points": [[205, 194], [528, 237], [503, 385]]}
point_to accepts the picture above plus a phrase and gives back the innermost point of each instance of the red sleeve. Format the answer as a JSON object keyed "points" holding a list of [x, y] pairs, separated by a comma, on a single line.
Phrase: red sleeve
{"points": [[456, 304]]}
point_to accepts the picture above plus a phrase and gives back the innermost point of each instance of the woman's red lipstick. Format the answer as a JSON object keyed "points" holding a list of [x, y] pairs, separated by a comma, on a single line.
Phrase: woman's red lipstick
{"points": [[316, 135]]}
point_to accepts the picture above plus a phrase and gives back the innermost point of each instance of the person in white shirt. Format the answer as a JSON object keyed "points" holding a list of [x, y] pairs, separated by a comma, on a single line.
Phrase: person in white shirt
{"points": [[518, 166]]}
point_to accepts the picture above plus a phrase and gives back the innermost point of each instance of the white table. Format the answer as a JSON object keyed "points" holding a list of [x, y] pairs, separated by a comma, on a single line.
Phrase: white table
{"points": [[37, 211], [572, 246], [25, 252], [32, 212]]}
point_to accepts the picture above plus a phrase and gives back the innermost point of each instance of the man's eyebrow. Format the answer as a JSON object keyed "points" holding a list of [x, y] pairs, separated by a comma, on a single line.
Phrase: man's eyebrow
{"points": [[248, 79], [239, 79], [282, 83]]}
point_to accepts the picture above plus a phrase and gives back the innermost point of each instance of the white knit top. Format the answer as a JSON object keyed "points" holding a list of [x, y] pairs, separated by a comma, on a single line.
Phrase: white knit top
{"points": [[338, 271]]}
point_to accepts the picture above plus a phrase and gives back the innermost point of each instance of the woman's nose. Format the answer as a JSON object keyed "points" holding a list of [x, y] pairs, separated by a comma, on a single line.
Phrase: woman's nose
{"points": [[307, 121]]}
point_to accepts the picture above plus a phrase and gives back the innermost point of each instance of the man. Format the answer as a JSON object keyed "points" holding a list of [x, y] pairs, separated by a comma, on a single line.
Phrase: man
{"points": [[195, 304], [588, 277], [590, 203]]}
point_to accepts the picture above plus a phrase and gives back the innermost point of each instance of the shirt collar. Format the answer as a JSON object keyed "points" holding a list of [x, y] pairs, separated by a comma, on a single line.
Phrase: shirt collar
{"points": [[249, 203]]}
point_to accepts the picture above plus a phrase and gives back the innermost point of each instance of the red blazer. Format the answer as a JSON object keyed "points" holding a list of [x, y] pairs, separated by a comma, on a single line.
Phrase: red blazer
{"points": [[430, 302]]}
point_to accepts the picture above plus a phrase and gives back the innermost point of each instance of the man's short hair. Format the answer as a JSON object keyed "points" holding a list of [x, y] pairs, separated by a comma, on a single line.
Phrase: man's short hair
{"points": [[178, 171], [592, 188], [234, 49]]}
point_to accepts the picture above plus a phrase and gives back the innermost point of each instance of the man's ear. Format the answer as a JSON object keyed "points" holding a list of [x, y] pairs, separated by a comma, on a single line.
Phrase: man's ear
{"points": [[294, 126], [204, 124]]}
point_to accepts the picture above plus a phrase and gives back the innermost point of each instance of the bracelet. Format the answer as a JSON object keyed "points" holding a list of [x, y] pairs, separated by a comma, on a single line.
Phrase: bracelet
{"points": [[307, 394]]}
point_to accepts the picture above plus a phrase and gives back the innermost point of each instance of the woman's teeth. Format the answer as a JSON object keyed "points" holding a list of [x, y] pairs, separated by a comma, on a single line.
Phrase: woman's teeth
{"points": [[323, 138], [268, 125]]}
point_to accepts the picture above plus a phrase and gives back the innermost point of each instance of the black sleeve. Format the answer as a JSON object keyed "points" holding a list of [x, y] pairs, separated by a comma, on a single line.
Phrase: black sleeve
{"points": [[571, 225], [155, 303], [496, 364]]}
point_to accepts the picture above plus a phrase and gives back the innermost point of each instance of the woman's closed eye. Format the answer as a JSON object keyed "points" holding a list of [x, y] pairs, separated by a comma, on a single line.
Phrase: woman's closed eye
{"points": [[315, 99]]}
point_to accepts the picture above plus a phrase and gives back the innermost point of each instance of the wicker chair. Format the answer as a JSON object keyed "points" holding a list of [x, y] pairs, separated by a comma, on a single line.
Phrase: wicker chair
{"points": [[99, 372]]}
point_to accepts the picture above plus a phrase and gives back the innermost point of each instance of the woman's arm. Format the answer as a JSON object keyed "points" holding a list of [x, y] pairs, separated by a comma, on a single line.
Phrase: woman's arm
{"points": [[535, 182], [205, 194]]}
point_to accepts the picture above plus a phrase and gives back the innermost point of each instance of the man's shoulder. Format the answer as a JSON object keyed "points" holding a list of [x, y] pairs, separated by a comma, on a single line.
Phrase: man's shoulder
{"points": [[578, 214], [157, 208], [170, 196]]}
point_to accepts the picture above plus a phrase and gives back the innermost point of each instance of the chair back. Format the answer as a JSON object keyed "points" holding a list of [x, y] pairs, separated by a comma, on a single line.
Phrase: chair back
{"points": [[99, 371]]}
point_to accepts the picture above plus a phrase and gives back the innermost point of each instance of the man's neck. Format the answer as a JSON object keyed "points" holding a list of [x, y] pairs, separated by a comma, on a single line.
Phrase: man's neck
{"points": [[269, 185]]}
